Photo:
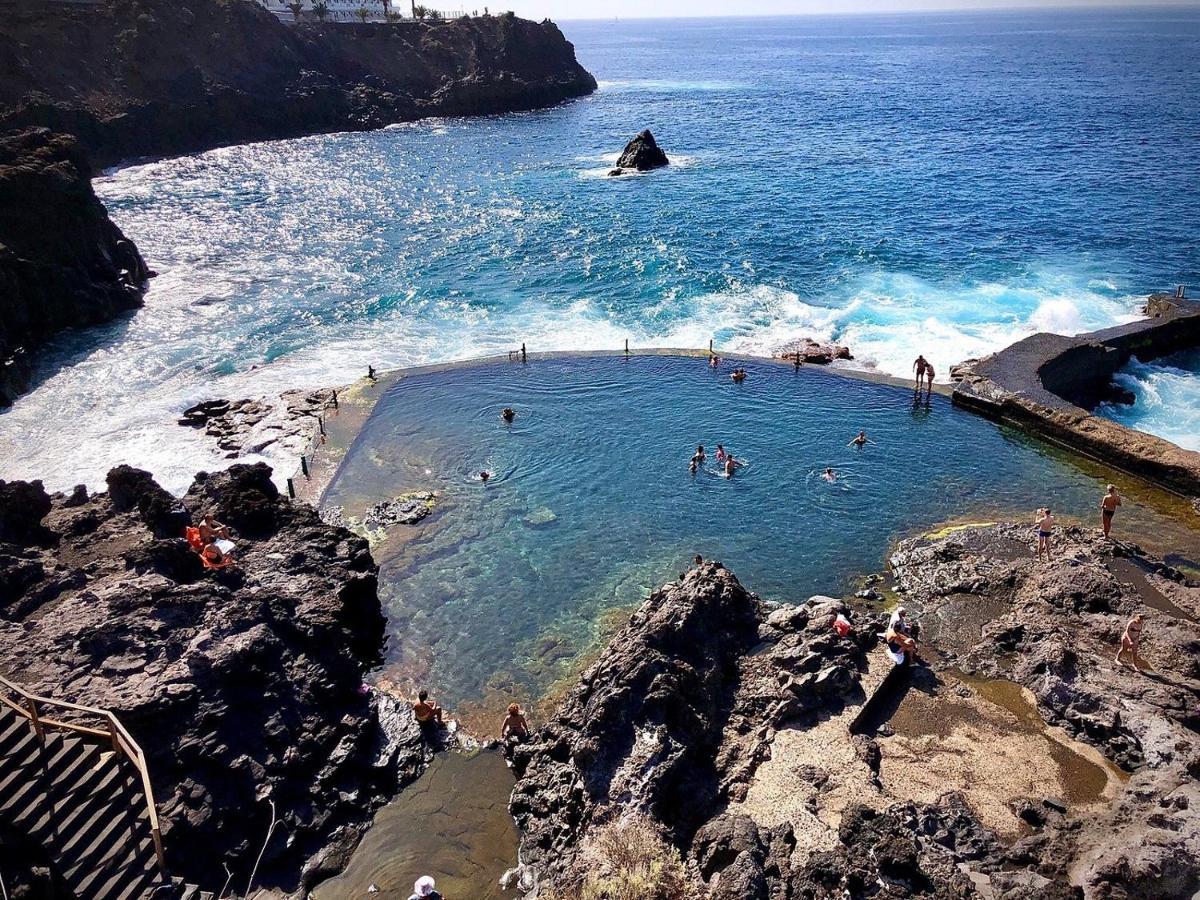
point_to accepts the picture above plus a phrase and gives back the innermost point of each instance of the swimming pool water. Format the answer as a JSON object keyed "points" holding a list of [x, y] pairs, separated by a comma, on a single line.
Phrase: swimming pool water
{"points": [[591, 504]]}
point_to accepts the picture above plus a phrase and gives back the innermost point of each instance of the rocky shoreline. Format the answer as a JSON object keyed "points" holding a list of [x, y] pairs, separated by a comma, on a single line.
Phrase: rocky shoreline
{"points": [[675, 738], [133, 78], [242, 685], [63, 263]]}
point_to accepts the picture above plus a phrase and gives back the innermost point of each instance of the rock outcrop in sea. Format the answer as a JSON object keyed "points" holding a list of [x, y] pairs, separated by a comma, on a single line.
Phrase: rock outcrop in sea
{"points": [[710, 693], [150, 77], [242, 685], [641, 155], [63, 263]]}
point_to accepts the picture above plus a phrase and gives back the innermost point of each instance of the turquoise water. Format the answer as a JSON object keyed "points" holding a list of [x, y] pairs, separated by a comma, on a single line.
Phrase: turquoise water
{"points": [[940, 183], [591, 503], [1167, 393]]}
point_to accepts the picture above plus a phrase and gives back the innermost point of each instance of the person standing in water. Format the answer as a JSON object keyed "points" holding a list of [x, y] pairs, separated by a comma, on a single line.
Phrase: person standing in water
{"points": [[730, 465], [919, 365], [1131, 641], [859, 441], [829, 476], [1108, 508], [721, 453], [1045, 524], [508, 414]]}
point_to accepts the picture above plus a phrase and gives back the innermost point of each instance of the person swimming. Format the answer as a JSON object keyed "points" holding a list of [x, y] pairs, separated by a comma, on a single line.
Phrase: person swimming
{"points": [[720, 453], [738, 375], [699, 456], [714, 361], [693, 466], [731, 465], [860, 440], [508, 414], [484, 476], [830, 476]]}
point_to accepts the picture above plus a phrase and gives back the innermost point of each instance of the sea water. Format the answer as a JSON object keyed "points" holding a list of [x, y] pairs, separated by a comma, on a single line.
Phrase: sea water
{"points": [[1166, 398], [591, 504], [939, 183]]}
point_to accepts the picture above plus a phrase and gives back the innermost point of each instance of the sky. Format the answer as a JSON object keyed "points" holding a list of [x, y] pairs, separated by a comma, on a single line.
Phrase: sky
{"points": [[565, 10]]}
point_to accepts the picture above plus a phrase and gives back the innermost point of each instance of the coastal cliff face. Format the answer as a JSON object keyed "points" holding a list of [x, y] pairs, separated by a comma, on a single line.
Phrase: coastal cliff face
{"points": [[150, 77], [63, 263], [241, 686]]}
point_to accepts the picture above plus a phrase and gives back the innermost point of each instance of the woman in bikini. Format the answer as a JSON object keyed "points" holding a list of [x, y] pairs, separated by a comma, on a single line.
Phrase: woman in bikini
{"points": [[1108, 508], [1131, 640]]}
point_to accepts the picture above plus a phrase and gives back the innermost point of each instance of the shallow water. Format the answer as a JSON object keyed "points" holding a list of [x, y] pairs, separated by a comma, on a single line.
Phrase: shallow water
{"points": [[452, 823], [1167, 393], [944, 182], [591, 504]]}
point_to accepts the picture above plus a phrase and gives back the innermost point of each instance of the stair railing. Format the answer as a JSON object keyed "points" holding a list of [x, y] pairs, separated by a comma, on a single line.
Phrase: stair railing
{"points": [[34, 708]]}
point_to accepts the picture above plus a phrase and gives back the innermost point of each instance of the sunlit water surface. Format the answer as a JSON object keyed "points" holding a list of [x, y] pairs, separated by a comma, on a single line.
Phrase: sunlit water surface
{"points": [[591, 504], [943, 182]]}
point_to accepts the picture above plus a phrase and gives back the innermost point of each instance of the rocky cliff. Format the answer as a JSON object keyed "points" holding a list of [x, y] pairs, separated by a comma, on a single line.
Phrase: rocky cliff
{"points": [[152, 77], [63, 262], [242, 685]]}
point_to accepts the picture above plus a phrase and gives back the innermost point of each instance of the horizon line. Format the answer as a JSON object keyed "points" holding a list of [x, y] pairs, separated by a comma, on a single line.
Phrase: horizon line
{"points": [[1052, 6]]}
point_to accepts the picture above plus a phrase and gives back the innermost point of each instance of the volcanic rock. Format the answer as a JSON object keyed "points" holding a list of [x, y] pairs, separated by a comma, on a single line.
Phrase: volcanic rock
{"points": [[63, 263], [641, 154], [241, 685], [150, 77]]}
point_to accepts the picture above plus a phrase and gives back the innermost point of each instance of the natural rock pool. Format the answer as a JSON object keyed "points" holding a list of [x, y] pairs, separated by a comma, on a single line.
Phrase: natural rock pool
{"points": [[498, 592]]}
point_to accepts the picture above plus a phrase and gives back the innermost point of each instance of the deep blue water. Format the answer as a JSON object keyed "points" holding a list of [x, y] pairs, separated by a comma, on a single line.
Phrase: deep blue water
{"points": [[591, 504], [940, 182]]}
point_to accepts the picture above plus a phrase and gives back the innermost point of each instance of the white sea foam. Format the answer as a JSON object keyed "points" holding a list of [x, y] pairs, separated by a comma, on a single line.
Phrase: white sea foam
{"points": [[1167, 399]]}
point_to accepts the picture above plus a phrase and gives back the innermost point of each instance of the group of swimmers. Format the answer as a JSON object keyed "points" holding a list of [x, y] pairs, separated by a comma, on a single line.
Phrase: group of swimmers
{"points": [[737, 376], [725, 461], [212, 541]]}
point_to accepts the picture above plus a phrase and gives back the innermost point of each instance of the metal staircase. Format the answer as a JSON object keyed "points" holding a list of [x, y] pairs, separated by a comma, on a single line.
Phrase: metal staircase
{"points": [[73, 781]]}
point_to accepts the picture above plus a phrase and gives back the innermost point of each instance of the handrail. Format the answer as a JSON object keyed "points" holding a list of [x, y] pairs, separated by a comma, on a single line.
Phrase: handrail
{"points": [[122, 742]]}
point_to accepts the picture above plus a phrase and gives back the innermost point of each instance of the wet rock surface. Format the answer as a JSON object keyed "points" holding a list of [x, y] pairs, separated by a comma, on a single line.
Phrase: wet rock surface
{"points": [[148, 77], [1055, 628], [641, 155], [251, 426], [63, 263], [242, 685], [813, 352]]}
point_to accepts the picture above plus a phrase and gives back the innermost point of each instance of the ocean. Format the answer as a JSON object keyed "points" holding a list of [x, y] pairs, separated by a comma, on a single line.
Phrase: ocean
{"points": [[938, 183]]}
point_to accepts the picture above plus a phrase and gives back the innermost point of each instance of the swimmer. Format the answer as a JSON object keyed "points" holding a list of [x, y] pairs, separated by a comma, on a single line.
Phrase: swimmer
{"points": [[738, 376], [919, 365], [693, 466], [830, 476], [507, 414], [859, 441], [714, 361], [730, 465], [484, 476], [1045, 524], [720, 453], [699, 455]]}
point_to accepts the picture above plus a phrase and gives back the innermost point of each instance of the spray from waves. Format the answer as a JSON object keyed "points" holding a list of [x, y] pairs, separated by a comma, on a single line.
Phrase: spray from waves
{"points": [[1167, 402]]}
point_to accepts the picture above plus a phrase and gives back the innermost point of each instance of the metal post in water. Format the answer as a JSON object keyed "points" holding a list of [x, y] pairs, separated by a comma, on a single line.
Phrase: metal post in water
{"points": [[523, 359], [335, 403], [710, 346], [291, 489], [627, 346], [797, 359], [304, 466]]}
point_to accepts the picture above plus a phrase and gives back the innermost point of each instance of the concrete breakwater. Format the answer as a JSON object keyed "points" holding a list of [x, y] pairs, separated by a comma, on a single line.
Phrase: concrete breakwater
{"points": [[1050, 384]]}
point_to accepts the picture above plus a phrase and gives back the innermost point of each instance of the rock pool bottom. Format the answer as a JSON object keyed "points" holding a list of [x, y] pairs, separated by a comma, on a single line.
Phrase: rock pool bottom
{"points": [[497, 593]]}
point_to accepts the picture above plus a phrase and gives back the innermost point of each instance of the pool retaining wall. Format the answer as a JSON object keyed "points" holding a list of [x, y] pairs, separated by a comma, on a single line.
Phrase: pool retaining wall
{"points": [[1049, 384]]}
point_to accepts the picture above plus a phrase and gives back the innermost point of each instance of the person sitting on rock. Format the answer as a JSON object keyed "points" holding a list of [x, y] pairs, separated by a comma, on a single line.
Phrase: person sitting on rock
{"points": [[428, 713], [507, 414], [217, 554], [515, 729], [900, 622], [423, 889], [1131, 641], [901, 648], [211, 530]]}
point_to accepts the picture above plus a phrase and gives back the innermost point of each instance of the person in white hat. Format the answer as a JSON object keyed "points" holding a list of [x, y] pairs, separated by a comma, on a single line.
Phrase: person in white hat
{"points": [[423, 889]]}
